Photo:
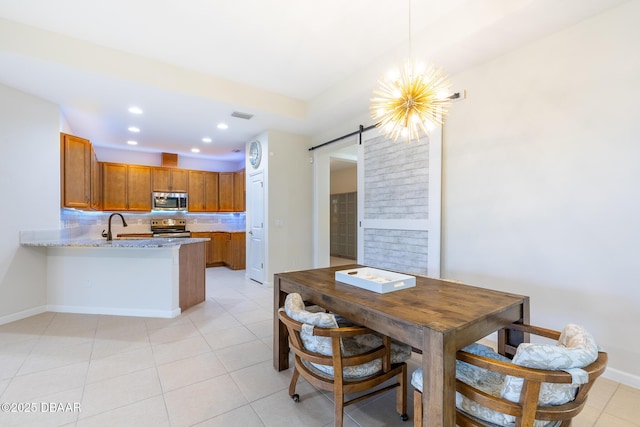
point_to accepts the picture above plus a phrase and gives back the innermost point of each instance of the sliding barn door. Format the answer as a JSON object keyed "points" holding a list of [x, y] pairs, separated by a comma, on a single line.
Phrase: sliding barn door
{"points": [[399, 199]]}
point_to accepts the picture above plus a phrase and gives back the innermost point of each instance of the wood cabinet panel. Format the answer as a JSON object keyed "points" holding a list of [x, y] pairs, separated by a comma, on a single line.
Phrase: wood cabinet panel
{"points": [[160, 179], [236, 255], [192, 275], [126, 187], [179, 180], [239, 191], [196, 191], [208, 245], [224, 248], [203, 191], [225, 192], [114, 190], [219, 247], [96, 182], [211, 191], [76, 171], [138, 188], [168, 179]]}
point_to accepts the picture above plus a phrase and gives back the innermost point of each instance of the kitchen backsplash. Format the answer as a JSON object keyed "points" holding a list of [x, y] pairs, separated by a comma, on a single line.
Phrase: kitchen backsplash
{"points": [[77, 223]]}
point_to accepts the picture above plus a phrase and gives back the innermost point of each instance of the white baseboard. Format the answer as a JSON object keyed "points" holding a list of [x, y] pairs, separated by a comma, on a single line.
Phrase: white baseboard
{"points": [[167, 314], [22, 314], [622, 377]]}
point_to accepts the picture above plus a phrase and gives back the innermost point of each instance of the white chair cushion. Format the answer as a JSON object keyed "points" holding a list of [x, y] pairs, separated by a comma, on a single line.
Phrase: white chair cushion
{"points": [[576, 348], [294, 308]]}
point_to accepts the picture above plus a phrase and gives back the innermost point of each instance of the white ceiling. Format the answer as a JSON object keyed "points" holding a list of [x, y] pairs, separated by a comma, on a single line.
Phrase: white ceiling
{"points": [[301, 66]]}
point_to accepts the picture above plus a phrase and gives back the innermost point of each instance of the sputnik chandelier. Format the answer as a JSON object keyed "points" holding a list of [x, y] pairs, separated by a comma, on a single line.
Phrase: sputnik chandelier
{"points": [[412, 100]]}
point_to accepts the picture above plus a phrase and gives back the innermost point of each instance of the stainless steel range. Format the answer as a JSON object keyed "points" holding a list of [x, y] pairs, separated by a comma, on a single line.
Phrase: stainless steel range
{"points": [[169, 227]]}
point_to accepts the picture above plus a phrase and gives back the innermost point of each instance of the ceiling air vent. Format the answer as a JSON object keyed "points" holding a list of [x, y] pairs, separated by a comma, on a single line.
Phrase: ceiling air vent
{"points": [[240, 115]]}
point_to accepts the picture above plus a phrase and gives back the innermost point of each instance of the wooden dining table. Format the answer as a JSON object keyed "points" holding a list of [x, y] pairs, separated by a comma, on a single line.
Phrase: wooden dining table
{"points": [[437, 317]]}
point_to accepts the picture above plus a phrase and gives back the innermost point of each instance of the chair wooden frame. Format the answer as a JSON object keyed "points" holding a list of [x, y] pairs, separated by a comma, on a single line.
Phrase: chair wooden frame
{"points": [[527, 409], [337, 384]]}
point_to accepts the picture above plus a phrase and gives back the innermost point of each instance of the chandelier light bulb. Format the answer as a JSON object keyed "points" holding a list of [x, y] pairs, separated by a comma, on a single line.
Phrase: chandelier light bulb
{"points": [[413, 103]]}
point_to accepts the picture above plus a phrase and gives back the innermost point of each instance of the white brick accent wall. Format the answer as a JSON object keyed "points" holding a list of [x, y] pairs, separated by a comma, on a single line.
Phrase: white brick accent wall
{"points": [[396, 188], [396, 182]]}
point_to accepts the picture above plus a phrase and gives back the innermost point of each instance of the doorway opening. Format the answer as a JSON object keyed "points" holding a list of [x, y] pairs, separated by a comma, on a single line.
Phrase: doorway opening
{"points": [[343, 205]]}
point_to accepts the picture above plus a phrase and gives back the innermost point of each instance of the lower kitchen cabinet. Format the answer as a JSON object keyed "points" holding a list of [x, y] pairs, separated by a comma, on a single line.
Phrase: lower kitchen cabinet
{"points": [[224, 248], [236, 251]]}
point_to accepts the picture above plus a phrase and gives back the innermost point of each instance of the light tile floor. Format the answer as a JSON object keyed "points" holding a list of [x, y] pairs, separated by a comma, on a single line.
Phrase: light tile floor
{"points": [[211, 366]]}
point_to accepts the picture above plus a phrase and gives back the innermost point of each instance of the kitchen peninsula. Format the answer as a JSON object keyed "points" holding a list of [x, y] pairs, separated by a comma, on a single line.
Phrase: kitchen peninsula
{"points": [[157, 277]]}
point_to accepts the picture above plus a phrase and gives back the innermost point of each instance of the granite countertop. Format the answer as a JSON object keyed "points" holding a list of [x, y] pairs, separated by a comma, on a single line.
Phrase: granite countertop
{"points": [[157, 242]]}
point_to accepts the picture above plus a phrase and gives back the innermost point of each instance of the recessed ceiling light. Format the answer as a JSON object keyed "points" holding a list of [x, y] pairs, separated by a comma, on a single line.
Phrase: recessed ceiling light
{"points": [[223, 126], [206, 139], [134, 129], [195, 150], [135, 110], [132, 142]]}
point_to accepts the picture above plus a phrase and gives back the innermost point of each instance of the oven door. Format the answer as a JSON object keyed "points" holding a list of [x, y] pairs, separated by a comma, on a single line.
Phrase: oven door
{"points": [[169, 201]]}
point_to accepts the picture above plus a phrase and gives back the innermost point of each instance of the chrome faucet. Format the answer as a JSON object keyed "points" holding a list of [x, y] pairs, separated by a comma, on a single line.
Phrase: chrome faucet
{"points": [[108, 234]]}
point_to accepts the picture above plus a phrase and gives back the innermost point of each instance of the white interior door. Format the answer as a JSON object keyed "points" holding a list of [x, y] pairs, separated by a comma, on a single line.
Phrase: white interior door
{"points": [[256, 227]]}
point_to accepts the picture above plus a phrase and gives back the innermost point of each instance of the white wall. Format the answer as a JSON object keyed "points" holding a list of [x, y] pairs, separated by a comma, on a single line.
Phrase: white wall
{"points": [[30, 175], [542, 180]]}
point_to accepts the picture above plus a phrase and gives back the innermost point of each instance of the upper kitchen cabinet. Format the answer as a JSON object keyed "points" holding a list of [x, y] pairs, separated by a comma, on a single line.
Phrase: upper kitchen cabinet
{"points": [[126, 187], [203, 191], [239, 191], [169, 179], [96, 182], [225, 192], [79, 173]]}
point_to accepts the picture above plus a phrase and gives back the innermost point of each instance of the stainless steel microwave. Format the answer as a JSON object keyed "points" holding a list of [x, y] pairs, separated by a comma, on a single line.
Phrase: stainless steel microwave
{"points": [[169, 201]]}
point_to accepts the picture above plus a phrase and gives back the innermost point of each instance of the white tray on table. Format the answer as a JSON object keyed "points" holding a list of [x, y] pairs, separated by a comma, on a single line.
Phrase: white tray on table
{"points": [[373, 279]]}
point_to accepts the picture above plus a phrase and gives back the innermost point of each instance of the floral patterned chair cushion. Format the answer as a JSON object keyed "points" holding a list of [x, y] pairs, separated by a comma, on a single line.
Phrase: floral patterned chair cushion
{"points": [[575, 349], [294, 307]]}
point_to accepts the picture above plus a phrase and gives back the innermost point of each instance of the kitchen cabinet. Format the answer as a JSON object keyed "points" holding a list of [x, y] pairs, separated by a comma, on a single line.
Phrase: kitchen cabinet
{"points": [[235, 257], [79, 173], [191, 275], [215, 248], [219, 243], [225, 192], [203, 191], [239, 191], [126, 187], [169, 179], [224, 248], [96, 182]]}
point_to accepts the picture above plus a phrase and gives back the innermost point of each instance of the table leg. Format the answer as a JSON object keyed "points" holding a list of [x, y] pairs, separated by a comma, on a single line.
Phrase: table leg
{"points": [[508, 339], [439, 380], [280, 333]]}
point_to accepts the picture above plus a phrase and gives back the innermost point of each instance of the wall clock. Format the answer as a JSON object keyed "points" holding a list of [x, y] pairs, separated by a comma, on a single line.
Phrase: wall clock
{"points": [[255, 154]]}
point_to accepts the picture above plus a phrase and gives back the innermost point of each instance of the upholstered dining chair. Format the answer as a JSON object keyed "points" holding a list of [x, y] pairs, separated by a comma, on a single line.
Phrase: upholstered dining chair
{"points": [[343, 359], [543, 385]]}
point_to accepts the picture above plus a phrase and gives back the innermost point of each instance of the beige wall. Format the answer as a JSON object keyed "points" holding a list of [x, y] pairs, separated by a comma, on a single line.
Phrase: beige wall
{"points": [[289, 213], [542, 184], [541, 191], [30, 175], [344, 181]]}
